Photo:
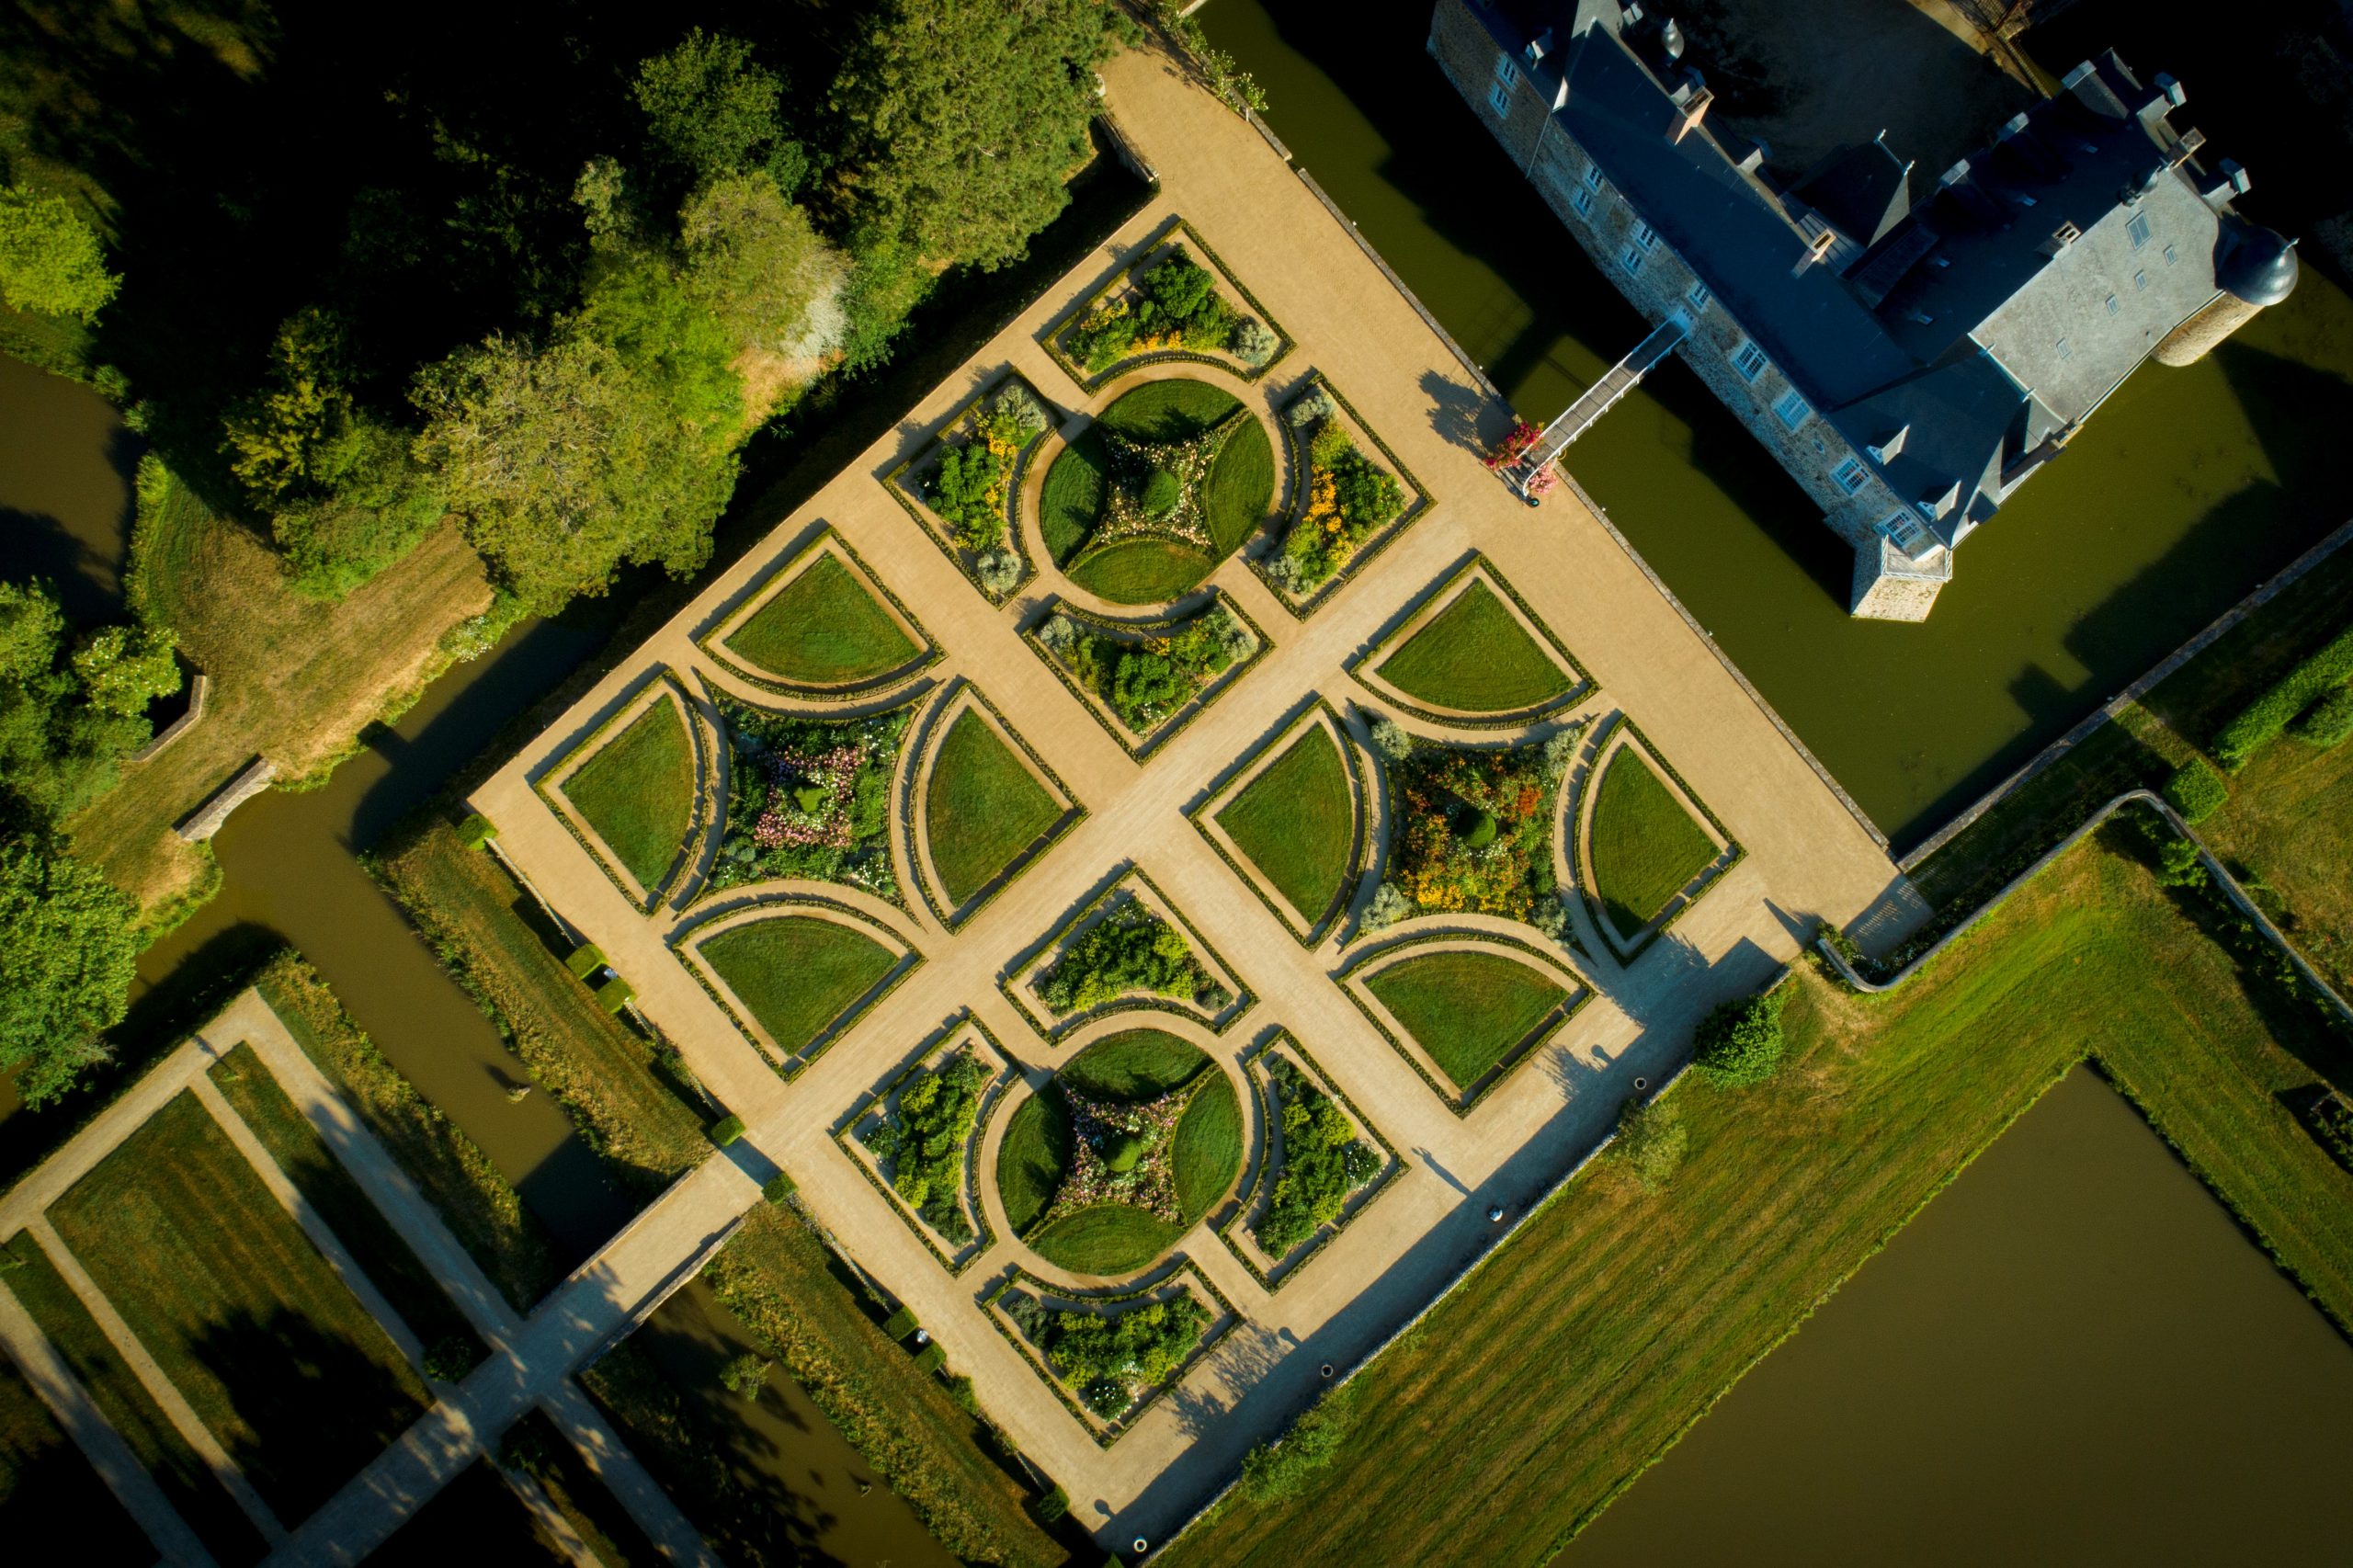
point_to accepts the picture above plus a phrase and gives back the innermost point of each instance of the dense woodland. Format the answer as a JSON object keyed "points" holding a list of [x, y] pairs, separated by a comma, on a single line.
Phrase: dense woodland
{"points": [[538, 269]]}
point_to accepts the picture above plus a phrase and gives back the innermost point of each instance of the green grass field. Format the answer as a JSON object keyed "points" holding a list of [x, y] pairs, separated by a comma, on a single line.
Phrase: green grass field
{"points": [[1478, 1442], [638, 792], [478, 1204], [1474, 657], [1143, 571], [1296, 822], [1240, 488], [184, 1479], [275, 1356], [1466, 1009], [486, 931], [1646, 849], [407, 1285], [2289, 823], [1234, 498], [822, 629], [1208, 1148], [48, 1491], [983, 809], [1174, 410], [1031, 1158], [1073, 495], [798, 974]]}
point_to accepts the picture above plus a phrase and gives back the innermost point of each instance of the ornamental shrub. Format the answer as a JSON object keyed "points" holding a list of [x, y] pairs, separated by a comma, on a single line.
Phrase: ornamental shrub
{"points": [[1310, 408], [1390, 739], [931, 1357], [1109, 1360], [779, 1187], [1389, 907], [726, 1130], [920, 1141], [585, 960], [2196, 790], [901, 1324], [1132, 950], [2328, 720], [1253, 342], [1323, 1161], [998, 570], [1651, 1140], [1739, 1042], [2276, 708], [615, 994], [1272, 1471], [1052, 1508], [476, 831], [1179, 286], [1561, 752]]}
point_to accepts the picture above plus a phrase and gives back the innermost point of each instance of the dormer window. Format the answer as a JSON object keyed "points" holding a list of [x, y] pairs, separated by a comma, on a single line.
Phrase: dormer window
{"points": [[2138, 229], [1499, 97], [1583, 201], [1634, 258], [1593, 176]]}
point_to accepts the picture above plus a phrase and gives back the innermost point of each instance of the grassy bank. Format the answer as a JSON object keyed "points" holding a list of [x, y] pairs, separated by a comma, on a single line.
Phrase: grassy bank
{"points": [[1480, 1441], [477, 1203], [607, 1077], [2290, 829]]}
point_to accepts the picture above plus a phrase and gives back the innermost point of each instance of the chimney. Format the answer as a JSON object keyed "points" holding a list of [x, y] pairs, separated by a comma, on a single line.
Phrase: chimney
{"points": [[1691, 113], [2171, 89]]}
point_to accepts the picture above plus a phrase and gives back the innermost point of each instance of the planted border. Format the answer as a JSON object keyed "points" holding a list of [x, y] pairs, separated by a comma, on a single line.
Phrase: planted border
{"points": [[1433, 603], [1420, 503], [1247, 1251], [549, 787], [1185, 1275], [1175, 231], [1141, 629], [713, 643], [1136, 885], [686, 943], [907, 490], [965, 1029], [1204, 819], [1461, 1102], [1730, 854], [914, 808]]}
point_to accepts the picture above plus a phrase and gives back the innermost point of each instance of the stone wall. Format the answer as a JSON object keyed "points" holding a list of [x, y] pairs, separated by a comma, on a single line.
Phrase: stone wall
{"points": [[1468, 54]]}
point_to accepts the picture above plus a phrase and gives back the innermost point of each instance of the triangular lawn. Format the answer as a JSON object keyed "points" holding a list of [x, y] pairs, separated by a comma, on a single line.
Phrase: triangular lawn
{"points": [[1474, 656], [638, 792], [822, 629], [1646, 849], [798, 974], [1296, 822], [983, 808], [1466, 1010]]}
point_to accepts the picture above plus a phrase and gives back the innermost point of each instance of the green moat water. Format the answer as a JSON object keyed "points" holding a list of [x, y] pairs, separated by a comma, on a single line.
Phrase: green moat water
{"points": [[2187, 489]]}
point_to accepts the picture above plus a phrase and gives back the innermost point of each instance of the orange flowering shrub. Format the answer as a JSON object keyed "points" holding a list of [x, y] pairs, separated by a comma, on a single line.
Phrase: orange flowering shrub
{"points": [[1474, 831]]}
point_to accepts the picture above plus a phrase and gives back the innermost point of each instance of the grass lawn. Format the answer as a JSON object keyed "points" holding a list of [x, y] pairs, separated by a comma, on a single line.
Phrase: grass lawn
{"points": [[1134, 1064], [407, 1285], [798, 974], [612, 1082], [1175, 409], [1646, 849], [1477, 1441], [1466, 1009], [1474, 656], [473, 1199], [822, 629], [778, 1277], [638, 792], [1208, 1148], [1031, 1158], [983, 808], [1073, 495], [186, 1481], [275, 1356], [1234, 498], [2290, 822], [1296, 822], [1143, 571], [293, 679], [1240, 488], [475, 1519], [48, 1491]]}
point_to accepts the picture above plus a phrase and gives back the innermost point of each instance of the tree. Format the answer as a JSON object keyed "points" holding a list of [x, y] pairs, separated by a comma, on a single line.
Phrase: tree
{"points": [[709, 111], [124, 668], [50, 260], [1739, 1042], [1272, 1471], [745, 1375], [64, 726], [756, 263], [1651, 1140], [68, 949]]}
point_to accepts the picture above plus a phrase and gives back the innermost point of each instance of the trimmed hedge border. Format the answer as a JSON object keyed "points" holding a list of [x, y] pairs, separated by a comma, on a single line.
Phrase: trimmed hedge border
{"points": [[1423, 502], [2262, 721], [711, 643], [935, 733], [1185, 1275], [1521, 1055], [845, 1133], [1360, 856], [1733, 851], [794, 1064], [1287, 1267], [1174, 228], [705, 767], [1475, 564], [1054, 1032], [894, 480], [1196, 705]]}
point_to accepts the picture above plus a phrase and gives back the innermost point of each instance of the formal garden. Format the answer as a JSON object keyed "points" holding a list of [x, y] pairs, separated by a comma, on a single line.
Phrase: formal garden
{"points": [[1140, 678], [809, 799], [961, 487], [1647, 850], [918, 1136], [1107, 1164], [1350, 499], [799, 975], [1475, 1007], [821, 627], [630, 791], [1474, 653], [1127, 949], [989, 808], [1166, 483], [1113, 1356], [1473, 830], [1293, 824], [1167, 305], [1319, 1158]]}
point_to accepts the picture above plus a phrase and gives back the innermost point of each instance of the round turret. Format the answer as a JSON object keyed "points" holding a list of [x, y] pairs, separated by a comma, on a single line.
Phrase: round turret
{"points": [[2260, 267]]}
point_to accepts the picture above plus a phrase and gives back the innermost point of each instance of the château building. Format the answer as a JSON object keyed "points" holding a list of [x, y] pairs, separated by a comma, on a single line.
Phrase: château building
{"points": [[1912, 351]]}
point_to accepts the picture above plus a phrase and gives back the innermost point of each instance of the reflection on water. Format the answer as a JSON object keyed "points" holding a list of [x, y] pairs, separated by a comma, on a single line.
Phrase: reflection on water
{"points": [[2190, 487], [2072, 1356], [65, 467]]}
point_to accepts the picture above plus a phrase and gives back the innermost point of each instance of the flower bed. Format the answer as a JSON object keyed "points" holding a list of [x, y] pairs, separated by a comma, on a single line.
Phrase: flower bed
{"points": [[1144, 676], [1178, 302], [1473, 832], [1111, 1359], [920, 1138], [810, 798], [1348, 498], [1322, 1162], [962, 487], [1129, 952]]}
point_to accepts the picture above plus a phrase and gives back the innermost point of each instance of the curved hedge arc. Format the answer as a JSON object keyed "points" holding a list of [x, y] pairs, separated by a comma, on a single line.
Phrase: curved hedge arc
{"points": [[1466, 1009], [794, 971], [616, 806], [821, 627]]}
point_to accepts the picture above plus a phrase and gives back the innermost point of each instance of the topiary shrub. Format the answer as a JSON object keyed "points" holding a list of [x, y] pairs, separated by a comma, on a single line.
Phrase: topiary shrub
{"points": [[779, 1187], [1390, 739], [901, 1324], [1162, 491], [2278, 708], [2196, 790], [1739, 1042], [931, 1357], [1051, 1509], [585, 960], [2328, 720], [615, 994], [726, 1130], [476, 831]]}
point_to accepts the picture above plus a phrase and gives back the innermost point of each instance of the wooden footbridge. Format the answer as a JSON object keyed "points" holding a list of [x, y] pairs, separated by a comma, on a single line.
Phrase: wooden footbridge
{"points": [[1593, 403]]}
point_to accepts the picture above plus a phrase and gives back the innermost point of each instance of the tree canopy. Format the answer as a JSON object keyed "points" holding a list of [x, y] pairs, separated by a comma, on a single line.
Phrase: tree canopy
{"points": [[50, 260], [66, 719], [709, 111], [68, 949]]}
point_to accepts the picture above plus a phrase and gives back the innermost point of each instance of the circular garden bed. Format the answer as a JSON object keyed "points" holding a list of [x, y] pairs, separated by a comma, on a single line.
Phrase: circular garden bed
{"points": [[1168, 481], [1131, 1143]]}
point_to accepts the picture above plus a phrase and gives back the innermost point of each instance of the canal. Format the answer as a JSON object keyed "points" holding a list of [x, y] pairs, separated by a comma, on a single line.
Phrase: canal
{"points": [[2188, 488], [2072, 1356]]}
